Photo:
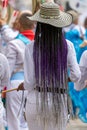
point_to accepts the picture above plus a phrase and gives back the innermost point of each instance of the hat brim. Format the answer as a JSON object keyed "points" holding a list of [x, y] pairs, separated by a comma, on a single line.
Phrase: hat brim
{"points": [[63, 20]]}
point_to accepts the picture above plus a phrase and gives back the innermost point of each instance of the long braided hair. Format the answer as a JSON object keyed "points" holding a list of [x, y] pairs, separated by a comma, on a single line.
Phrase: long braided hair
{"points": [[50, 58]]}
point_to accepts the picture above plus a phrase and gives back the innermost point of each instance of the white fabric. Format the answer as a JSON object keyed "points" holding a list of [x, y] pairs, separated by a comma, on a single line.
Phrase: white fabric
{"points": [[78, 27], [0, 44], [4, 82], [4, 72], [29, 75], [29, 82], [13, 104], [68, 28], [14, 50], [15, 56], [1, 111], [83, 67], [32, 116], [7, 34], [75, 73]]}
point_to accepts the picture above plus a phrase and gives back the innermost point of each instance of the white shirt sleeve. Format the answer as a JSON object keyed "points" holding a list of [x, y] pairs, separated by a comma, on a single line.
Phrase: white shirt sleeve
{"points": [[29, 72], [8, 33], [73, 66], [83, 68]]}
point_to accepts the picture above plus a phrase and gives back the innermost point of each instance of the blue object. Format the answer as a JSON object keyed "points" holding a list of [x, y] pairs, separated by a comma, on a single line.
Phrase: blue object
{"points": [[17, 76], [23, 38], [6, 128], [74, 36], [83, 118]]}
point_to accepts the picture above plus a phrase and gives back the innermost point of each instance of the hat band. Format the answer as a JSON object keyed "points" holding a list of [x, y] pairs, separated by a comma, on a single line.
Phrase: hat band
{"points": [[49, 17]]}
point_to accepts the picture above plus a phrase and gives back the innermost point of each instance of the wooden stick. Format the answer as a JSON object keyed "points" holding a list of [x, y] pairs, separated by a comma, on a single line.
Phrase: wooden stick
{"points": [[5, 91]]}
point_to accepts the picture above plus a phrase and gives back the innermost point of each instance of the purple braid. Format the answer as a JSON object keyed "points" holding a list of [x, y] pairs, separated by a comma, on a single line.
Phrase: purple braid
{"points": [[50, 56]]}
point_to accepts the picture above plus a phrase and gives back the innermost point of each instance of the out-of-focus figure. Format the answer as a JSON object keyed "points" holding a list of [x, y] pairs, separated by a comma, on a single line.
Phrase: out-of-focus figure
{"points": [[4, 82], [81, 97], [15, 56], [76, 34]]}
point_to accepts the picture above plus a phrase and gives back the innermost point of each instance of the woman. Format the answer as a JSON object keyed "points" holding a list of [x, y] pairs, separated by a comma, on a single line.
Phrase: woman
{"points": [[45, 68]]}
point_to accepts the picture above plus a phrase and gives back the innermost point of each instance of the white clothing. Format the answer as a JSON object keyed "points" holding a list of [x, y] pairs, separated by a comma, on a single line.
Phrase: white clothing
{"points": [[29, 83], [78, 27], [83, 67], [68, 28], [15, 56], [4, 82], [33, 117], [0, 44], [13, 105], [14, 50], [4, 72], [7, 34], [72, 64], [1, 114]]}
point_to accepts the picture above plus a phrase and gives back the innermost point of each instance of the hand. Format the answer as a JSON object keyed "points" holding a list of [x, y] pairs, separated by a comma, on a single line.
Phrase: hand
{"points": [[3, 21], [83, 44], [21, 87]]}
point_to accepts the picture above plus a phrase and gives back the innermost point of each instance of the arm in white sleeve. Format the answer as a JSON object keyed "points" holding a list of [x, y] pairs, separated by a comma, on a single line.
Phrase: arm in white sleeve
{"points": [[29, 72], [75, 73], [8, 33], [83, 59], [83, 67]]}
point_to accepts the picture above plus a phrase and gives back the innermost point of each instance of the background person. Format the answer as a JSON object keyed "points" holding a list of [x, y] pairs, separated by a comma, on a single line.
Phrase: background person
{"points": [[82, 94], [4, 82], [15, 56], [45, 70]]}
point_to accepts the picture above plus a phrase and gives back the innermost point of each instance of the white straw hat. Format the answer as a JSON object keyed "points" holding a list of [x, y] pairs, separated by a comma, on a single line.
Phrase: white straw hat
{"points": [[49, 13]]}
